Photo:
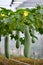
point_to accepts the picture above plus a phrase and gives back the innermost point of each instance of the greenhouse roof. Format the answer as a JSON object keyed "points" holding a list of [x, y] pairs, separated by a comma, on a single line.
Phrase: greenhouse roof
{"points": [[30, 3]]}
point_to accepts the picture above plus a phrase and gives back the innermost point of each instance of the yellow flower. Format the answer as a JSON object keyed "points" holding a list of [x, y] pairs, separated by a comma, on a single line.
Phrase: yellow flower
{"points": [[25, 13], [2, 14]]}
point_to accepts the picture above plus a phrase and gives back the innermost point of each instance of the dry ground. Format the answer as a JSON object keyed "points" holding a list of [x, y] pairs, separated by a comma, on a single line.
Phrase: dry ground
{"points": [[23, 59]]}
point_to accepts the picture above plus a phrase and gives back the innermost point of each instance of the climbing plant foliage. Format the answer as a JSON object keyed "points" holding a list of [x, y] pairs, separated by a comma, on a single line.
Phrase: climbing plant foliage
{"points": [[11, 21]]}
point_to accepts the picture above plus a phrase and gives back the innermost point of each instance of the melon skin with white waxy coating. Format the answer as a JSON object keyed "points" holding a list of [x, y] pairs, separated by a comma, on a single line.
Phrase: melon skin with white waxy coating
{"points": [[27, 42]]}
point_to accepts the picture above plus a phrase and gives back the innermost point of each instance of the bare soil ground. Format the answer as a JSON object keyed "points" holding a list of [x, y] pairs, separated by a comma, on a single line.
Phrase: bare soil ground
{"points": [[12, 61]]}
